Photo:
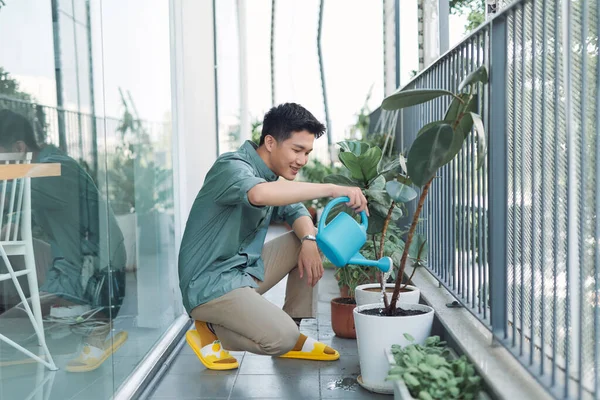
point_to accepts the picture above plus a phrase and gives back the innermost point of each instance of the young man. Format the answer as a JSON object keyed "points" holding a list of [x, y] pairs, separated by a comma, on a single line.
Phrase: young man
{"points": [[84, 238], [223, 266]]}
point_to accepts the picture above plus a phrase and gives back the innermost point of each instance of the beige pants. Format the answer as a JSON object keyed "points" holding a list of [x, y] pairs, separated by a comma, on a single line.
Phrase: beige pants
{"points": [[245, 321]]}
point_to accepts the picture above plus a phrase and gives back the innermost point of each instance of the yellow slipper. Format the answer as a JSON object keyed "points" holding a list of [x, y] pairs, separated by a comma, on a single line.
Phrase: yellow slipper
{"points": [[213, 356], [312, 350], [92, 357]]}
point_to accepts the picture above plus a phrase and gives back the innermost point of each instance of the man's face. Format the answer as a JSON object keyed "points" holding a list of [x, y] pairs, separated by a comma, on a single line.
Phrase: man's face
{"points": [[289, 156]]}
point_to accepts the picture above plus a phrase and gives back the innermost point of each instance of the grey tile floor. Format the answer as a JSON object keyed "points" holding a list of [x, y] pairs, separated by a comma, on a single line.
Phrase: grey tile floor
{"points": [[261, 377]]}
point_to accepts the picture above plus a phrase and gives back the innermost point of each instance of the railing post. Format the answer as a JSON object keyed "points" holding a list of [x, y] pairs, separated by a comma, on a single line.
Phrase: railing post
{"points": [[498, 177]]}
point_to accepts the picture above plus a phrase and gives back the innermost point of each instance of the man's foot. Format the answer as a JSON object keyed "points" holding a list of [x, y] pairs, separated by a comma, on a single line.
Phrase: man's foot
{"points": [[91, 357], [208, 348], [309, 349]]}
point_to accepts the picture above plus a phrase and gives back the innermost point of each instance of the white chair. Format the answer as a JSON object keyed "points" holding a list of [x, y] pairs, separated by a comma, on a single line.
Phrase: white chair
{"points": [[15, 204]]}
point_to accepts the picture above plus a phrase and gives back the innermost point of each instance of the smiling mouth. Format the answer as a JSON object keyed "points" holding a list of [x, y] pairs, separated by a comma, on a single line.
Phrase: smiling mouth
{"points": [[295, 170]]}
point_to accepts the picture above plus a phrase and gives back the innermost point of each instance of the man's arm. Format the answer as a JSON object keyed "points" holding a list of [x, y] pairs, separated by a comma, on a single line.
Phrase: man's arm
{"points": [[284, 192], [309, 259]]}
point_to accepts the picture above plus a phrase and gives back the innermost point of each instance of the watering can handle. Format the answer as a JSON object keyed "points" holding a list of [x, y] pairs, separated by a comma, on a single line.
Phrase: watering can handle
{"points": [[335, 202]]}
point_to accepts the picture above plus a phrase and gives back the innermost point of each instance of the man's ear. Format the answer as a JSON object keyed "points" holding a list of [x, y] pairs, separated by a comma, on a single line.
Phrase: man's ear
{"points": [[20, 147], [270, 143]]}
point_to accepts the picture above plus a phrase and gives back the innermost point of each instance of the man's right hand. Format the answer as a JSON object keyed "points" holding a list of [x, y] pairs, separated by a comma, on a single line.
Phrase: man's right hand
{"points": [[358, 201]]}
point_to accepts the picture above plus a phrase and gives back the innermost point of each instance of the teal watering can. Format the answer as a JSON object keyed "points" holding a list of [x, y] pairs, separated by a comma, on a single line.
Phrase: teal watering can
{"points": [[341, 239]]}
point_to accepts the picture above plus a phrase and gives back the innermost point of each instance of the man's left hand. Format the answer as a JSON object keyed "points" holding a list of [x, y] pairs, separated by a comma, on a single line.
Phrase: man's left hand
{"points": [[309, 261]]}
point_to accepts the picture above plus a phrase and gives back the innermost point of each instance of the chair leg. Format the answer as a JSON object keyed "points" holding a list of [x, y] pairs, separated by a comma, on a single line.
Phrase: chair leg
{"points": [[38, 327], [34, 291]]}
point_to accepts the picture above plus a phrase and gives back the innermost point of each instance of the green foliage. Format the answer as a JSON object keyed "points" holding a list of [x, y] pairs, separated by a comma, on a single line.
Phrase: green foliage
{"points": [[412, 97], [378, 181], [136, 182], [474, 9], [438, 142], [256, 131], [353, 276], [430, 371]]}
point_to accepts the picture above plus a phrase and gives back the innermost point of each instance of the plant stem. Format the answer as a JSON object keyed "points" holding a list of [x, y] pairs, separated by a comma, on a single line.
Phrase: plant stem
{"points": [[386, 223], [374, 244], [391, 309]]}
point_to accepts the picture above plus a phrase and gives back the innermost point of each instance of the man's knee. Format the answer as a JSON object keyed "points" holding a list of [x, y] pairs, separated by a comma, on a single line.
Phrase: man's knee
{"points": [[281, 341]]}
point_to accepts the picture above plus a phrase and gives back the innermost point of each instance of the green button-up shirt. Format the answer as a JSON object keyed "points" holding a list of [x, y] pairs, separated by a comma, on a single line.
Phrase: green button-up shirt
{"points": [[224, 236]]}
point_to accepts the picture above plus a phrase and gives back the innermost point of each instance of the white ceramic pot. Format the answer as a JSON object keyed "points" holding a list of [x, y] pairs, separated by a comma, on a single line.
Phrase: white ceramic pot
{"points": [[375, 334], [364, 296]]}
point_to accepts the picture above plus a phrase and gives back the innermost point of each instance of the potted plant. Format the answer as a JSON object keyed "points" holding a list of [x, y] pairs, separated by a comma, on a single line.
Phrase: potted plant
{"points": [[342, 316], [437, 144], [378, 180], [431, 371]]}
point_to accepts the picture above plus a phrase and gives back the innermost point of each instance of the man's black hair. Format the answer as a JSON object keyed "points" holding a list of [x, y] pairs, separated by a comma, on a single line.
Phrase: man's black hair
{"points": [[281, 121], [15, 127]]}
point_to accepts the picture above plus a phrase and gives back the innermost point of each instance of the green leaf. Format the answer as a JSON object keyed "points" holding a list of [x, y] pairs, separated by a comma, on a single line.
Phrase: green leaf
{"points": [[455, 106], [423, 395], [378, 196], [354, 146], [340, 180], [363, 167], [350, 161], [407, 98], [428, 153], [408, 337], [481, 140], [479, 75], [377, 183], [369, 162], [399, 192], [410, 380], [375, 224]]}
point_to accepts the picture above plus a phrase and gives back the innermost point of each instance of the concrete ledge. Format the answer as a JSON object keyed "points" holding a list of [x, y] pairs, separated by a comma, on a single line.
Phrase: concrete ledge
{"points": [[504, 376]]}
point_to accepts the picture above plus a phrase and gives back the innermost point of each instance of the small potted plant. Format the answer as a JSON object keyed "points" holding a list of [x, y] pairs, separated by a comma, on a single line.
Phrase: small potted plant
{"points": [[342, 316], [436, 144], [430, 372]]}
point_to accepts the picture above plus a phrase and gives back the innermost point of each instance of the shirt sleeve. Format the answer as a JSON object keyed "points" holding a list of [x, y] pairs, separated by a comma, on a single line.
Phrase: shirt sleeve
{"points": [[289, 213], [232, 180]]}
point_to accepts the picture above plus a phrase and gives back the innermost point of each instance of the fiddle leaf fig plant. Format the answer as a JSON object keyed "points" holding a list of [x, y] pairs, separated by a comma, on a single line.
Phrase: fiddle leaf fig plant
{"points": [[386, 196], [436, 144]]}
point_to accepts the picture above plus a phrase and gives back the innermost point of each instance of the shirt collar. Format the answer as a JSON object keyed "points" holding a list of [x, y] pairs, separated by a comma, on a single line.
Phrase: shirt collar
{"points": [[265, 172]]}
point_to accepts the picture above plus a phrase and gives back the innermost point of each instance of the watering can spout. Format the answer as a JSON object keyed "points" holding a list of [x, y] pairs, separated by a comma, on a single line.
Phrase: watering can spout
{"points": [[384, 263]]}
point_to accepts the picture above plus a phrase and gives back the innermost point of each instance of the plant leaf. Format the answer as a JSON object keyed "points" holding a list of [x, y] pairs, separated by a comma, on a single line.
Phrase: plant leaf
{"points": [[354, 146], [375, 224], [428, 153], [408, 337], [340, 180], [481, 140], [407, 98], [350, 161], [377, 183], [479, 75], [455, 106], [400, 192], [379, 196]]}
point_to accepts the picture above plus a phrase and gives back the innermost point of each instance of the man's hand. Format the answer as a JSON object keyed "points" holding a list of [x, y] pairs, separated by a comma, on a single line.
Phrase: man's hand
{"points": [[358, 201], [309, 262]]}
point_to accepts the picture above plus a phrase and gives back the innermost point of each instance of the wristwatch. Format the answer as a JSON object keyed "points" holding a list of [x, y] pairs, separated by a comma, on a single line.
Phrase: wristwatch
{"points": [[308, 237]]}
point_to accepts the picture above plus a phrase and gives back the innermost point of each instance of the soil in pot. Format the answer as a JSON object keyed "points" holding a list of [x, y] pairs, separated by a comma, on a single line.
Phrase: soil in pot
{"points": [[342, 317], [400, 312]]}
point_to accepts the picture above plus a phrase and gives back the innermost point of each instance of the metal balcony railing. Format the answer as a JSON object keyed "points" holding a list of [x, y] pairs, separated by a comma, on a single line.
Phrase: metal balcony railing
{"points": [[517, 242]]}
